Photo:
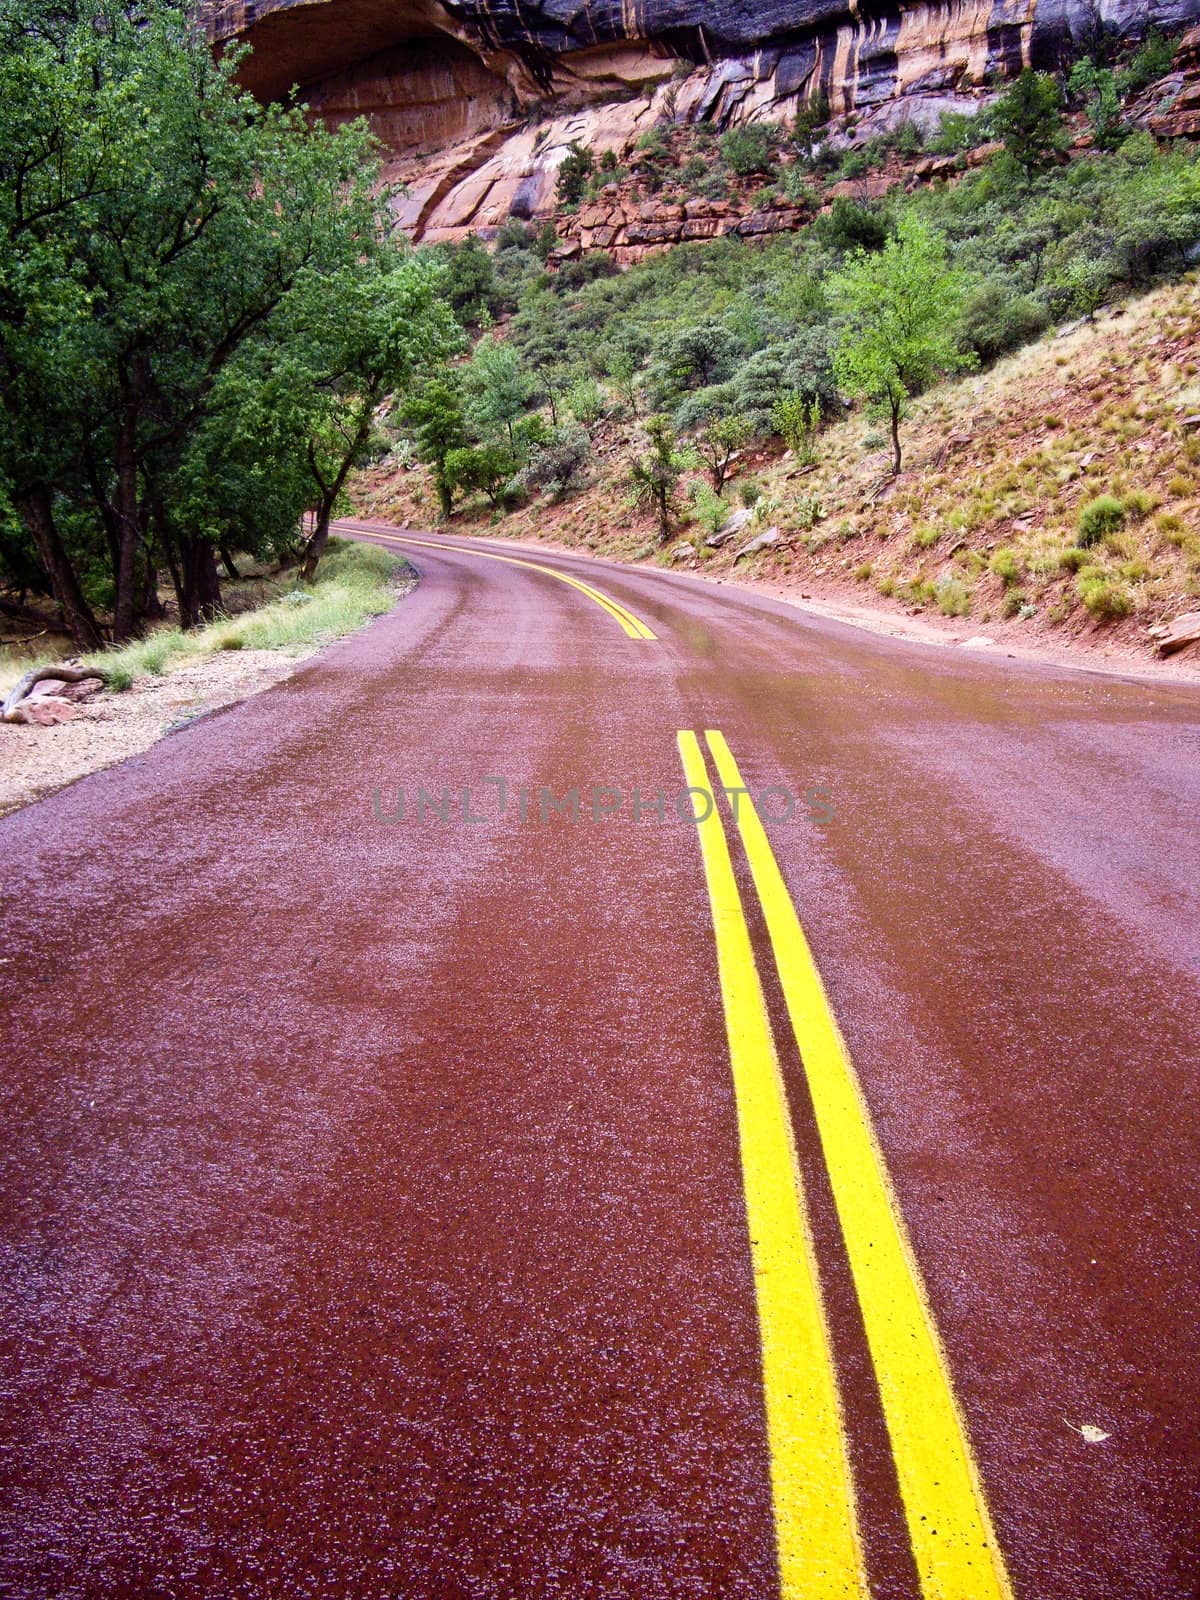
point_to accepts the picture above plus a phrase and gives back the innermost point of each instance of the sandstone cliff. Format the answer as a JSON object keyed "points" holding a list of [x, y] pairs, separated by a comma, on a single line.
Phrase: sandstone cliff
{"points": [[479, 100]]}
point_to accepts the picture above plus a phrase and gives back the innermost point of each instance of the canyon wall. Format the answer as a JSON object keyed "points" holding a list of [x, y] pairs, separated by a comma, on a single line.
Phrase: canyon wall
{"points": [[477, 101]]}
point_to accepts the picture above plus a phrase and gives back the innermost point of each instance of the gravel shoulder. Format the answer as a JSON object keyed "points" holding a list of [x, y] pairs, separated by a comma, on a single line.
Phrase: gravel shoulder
{"points": [[108, 728]]}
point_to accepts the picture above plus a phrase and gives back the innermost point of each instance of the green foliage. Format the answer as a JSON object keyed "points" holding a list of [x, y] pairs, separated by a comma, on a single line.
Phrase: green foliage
{"points": [[586, 402], [485, 468], [953, 597], [847, 225], [654, 474], [1096, 86], [573, 174], [751, 149], [709, 509], [1005, 565], [719, 443], [798, 421], [160, 256], [1105, 597], [498, 389], [559, 463], [811, 117], [434, 416], [470, 282], [1151, 62], [1101, 516], [997, 318], [695, 357], [898, 311], [958, 132], [1028, 118]]}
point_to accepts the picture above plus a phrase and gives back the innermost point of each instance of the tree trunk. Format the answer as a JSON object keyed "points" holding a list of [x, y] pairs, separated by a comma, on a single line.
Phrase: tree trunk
{"points": [[37, 513], [895, 440], [199, 589], [315, 548], [152, 607], [231, 570], [128, 532]]}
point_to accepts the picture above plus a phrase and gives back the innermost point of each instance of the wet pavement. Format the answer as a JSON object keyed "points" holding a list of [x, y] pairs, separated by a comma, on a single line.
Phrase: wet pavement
{"points": [[370, 1193]]}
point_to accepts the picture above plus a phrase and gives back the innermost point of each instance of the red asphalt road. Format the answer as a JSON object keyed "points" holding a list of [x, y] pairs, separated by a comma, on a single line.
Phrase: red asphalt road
{"points": [[370, 1203]]}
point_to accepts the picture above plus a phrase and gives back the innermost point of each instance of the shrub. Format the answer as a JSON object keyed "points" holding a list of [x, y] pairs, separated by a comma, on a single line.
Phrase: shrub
{"points": [[953, 597], [709, 509], [719, 443], [558, 465], [849, 226], [909, 140], [996, 320], [577, 167], [1103, 596], [1072, 559], [1139, 504], [1004, 565], [798, 421], [1103, 515], [749, 150], [1152, 61], [586, 402], [863, 572]]}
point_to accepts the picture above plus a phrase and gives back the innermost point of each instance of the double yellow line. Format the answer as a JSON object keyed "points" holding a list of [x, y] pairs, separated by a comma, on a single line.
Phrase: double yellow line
{"points": [[820, 1554], [633, 626]]}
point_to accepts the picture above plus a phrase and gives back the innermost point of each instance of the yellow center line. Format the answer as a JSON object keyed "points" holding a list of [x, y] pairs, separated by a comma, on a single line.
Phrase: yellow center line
{"points": [[634, 627], [949, 1525], [816, 1532]]}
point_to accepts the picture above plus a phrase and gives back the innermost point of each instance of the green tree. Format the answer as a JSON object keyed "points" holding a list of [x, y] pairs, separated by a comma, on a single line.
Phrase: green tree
{"points": [[498, 389], [487, 468], [719, 442], [155, 223], [1097, 88], [813, 115], [898, 312], [749, 150], [573, 174], [654, 475], [434, 415], [382, 322], [1028, 117]]}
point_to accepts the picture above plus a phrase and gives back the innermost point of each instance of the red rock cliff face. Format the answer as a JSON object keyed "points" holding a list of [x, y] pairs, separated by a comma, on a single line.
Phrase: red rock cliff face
{"points": [[454, 87]]}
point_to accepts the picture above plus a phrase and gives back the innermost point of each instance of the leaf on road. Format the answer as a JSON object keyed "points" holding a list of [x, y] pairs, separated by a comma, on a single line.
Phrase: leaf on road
{"points": [[1089, 1432]]}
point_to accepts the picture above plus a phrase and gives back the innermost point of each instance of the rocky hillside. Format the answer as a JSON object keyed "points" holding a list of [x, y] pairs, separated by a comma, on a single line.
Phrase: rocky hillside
{"points": [[1052, 500], [480, 100]]}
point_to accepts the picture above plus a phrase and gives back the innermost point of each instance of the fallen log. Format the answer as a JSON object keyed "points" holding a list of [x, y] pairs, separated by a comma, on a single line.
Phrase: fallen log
{"points": [[57, 674]]}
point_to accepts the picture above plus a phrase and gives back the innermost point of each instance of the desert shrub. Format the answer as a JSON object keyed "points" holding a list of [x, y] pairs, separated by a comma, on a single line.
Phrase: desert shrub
{"points": [[1005, 566], [1104, 597], [573, 174], [1151, 62], [850, 226], [586, 402], [952, 596], [995, 319], [1101, 516], [558, 465], [750, 149], [708, 508]]}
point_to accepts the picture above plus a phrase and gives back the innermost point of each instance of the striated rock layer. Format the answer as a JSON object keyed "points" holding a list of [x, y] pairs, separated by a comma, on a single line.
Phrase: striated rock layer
{"points": [[478, 100]]}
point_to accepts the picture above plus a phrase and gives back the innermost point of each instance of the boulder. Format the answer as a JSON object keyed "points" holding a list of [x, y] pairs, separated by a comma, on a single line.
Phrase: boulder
{"points": [[761, 541], [1177, 635], [738, 520]]}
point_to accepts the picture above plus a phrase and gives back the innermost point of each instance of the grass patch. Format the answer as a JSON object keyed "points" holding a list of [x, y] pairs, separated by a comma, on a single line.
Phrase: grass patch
{"points": [[353, 585]]}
